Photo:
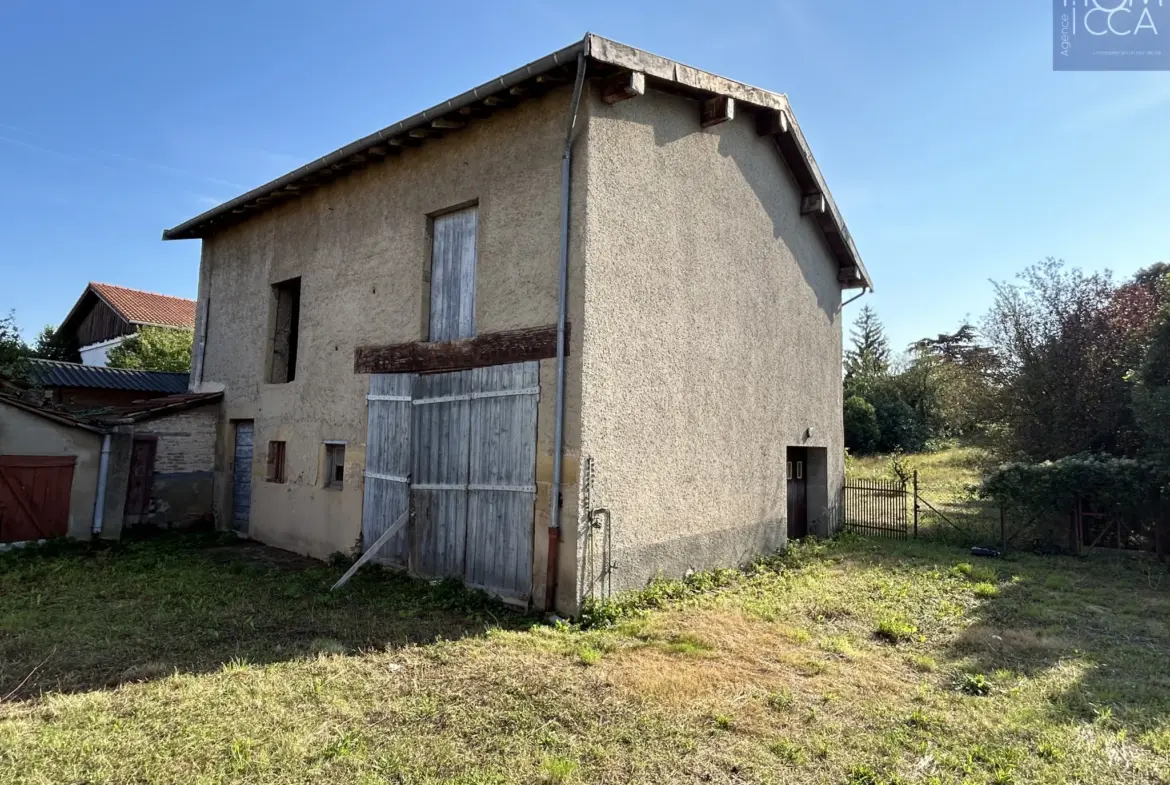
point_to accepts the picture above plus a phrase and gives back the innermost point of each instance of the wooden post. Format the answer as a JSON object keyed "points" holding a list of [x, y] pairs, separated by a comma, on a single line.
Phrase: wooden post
{"points": [[916, 504]]}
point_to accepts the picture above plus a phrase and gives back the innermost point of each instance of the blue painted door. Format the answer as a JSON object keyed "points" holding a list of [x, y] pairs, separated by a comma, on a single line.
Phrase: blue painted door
{"points": [[242, 477]]}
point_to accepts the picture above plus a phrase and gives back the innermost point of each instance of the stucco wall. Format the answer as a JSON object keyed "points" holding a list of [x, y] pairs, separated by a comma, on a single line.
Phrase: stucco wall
{"points": [[361, 248], [182, 489], [712, 341], [24, 433]]}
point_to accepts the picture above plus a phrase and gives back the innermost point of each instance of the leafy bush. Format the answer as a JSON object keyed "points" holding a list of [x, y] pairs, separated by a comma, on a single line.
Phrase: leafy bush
{"points": [[1121, 485], [861, 426], [895, 629], [974, 684]]}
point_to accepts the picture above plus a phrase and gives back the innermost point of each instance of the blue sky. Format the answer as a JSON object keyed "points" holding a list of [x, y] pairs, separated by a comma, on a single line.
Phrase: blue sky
{"points": [[953, 150]]}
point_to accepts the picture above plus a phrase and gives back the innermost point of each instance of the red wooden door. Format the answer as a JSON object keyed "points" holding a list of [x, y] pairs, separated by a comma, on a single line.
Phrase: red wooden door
{"points": [[34, 496], [140, 482]]}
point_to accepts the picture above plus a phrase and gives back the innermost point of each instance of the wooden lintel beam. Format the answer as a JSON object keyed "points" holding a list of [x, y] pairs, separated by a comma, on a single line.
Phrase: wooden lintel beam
{"points": [[502, 348], [715, 110], [444, 123], [623, 85], [770, 122], [813, 203]]}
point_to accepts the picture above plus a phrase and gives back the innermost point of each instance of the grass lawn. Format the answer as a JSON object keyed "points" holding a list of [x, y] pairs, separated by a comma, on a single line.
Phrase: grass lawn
{"points": [[182, 660], [953, 467]]}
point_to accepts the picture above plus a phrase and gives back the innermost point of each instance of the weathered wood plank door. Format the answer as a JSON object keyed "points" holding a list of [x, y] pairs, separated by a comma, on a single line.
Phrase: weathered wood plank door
{"points": [[452, 301], [242, 477], [388, 457], [34, 496], [137, 507], [501, 499], [439, 480]]}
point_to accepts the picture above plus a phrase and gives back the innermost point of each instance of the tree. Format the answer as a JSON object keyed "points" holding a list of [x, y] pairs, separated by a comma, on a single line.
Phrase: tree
{"points": [[861, 426], [52, 346], [1063, 342], [1151, 395], [154, 349], [12, 347], [870, 355]]}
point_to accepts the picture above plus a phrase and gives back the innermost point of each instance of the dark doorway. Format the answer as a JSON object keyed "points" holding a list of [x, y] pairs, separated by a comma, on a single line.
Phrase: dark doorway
{"points": [[797, 492], [137, 508]]}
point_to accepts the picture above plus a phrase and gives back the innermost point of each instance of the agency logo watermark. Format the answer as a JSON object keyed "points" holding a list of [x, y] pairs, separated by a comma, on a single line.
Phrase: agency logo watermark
{"points": [[1111, 35]]}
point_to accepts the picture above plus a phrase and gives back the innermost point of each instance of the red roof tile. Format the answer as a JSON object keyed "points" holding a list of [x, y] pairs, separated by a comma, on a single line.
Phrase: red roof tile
{"points": [[147, 307]]}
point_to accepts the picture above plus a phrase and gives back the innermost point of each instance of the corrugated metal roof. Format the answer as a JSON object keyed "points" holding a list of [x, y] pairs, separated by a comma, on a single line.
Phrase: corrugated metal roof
{"points": [[53, 373]]}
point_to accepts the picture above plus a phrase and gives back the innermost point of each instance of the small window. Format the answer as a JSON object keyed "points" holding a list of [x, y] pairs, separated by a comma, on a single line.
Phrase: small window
{"points": [[275, 462], [334, 465], [286, 326]]}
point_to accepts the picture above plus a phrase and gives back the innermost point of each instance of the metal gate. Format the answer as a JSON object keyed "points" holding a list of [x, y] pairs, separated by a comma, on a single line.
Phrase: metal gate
{"points": [[34, 496], [469, 440], [877, 507]]}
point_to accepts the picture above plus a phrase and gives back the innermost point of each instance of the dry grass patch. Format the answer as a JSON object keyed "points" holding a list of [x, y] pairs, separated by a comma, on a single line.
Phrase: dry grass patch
{"points": [[181, 667]]}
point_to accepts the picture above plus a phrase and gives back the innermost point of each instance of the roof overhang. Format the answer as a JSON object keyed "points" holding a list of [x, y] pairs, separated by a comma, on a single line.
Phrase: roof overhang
{"points": [[774, 117]]}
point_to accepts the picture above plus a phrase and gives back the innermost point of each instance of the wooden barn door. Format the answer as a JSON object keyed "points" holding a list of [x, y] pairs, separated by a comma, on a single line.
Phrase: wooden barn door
{"points": [[34, 496], [242, 477], [473, 489], [387, 475], [501, 498]]}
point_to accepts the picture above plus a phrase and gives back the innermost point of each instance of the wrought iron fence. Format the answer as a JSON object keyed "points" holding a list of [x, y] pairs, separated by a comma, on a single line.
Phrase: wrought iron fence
{"points": [[877, 507]]}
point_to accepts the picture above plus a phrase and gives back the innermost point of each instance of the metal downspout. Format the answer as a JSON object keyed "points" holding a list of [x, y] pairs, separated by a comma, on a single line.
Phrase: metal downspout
{"points": [[864, 290], [554, 512], [99, 504]]}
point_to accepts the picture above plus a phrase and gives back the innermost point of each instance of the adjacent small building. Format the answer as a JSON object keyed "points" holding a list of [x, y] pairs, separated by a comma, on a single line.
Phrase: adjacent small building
{"points": [[79, 387], [571, 329], [64, 474], [105, 315]]}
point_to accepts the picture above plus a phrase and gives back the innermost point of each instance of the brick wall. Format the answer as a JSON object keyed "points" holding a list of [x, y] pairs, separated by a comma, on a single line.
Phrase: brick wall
{"points": [[186, 440]]}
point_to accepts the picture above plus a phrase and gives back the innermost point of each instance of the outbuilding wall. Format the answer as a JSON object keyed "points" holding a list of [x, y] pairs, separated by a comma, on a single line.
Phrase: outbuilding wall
{"points": [[183, 486], [712, 342], [25, 433], [361, 248]]}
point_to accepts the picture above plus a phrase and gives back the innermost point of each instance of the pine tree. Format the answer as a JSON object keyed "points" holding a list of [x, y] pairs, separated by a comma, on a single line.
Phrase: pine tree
{"points": [[870, 355]]}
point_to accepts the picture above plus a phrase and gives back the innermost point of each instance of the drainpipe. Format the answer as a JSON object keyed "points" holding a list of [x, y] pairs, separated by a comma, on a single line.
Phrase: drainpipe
{"points": [[99, 504], [864, 290], [554, 512]]}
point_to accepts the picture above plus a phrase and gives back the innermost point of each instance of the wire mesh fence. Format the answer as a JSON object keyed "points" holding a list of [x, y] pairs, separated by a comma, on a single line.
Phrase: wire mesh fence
{"points": [[955, 514]]}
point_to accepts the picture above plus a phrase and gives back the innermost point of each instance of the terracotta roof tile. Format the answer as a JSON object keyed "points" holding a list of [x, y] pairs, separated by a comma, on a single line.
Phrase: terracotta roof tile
{"points": [[141, 307]]}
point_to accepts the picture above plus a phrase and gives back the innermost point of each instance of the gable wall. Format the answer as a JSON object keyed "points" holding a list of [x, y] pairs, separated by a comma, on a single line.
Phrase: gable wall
{"points": [[712, 341]]}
